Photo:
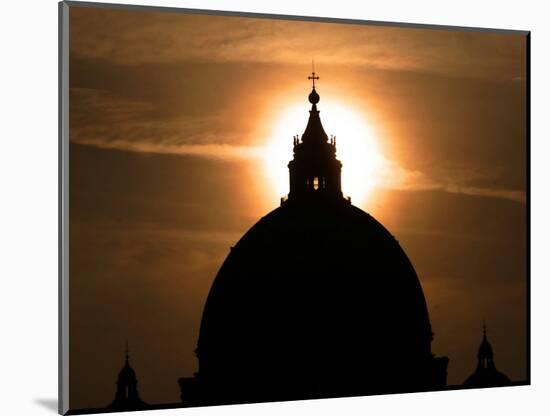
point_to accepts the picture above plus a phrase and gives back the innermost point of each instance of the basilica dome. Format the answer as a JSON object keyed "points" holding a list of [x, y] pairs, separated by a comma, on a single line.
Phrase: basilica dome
{"points": [[317, 299]]}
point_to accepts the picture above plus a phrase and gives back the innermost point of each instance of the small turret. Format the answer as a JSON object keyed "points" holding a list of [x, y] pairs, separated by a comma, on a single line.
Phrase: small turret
{"points": [[486, 374], [127, 395]]}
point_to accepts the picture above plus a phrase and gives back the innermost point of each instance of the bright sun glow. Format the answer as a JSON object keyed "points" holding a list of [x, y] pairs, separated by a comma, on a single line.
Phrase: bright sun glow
{"points": [[356, 148]]}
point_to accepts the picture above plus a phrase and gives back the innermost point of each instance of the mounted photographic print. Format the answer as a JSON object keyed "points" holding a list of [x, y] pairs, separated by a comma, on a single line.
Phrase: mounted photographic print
{"points": [[261, 208]]}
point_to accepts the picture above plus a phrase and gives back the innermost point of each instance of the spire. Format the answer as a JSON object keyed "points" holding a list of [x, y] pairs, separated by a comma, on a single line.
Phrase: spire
{"points": [[315, 171], [127, 353], [314, 131], [485, 352]]}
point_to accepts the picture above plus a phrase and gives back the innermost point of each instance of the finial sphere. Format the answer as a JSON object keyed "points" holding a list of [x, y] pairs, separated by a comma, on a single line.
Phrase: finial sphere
{"points": [[314, 97]]}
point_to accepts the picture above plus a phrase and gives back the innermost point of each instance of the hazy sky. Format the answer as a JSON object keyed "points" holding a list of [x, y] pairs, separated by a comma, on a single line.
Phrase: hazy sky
{"points": [[171, 116]]}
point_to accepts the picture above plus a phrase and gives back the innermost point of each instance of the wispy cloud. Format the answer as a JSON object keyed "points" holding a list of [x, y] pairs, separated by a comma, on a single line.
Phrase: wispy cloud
{"points": [[392, 176], [103, 119], [130, 37], [513, 195], [227, 152], [414, 180]]}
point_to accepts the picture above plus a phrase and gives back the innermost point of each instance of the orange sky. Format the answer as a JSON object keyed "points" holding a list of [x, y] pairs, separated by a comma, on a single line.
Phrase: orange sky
{"points": [[170, 115]]}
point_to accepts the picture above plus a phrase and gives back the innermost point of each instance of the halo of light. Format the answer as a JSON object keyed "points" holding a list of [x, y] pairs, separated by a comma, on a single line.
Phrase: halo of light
{"points": [[356, 146]]}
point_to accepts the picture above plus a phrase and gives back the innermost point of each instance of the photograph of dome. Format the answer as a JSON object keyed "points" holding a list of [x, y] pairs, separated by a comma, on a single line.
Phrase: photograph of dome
{"points": [[264, 209], [320, 274]]}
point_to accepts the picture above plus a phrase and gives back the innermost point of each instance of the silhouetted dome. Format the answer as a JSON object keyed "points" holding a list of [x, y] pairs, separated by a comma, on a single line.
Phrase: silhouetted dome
{"points": [[127, 373], [315, 293], [314, 97], [485, 350], [316, 300]]}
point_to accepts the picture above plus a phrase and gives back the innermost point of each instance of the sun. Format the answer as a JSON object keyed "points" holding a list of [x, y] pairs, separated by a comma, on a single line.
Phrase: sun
{"points": [[356, 146]]}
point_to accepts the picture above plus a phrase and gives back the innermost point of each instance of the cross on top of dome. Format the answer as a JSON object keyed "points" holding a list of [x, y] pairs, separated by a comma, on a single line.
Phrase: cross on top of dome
{"points": [[313, 96], [313, 77]]}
